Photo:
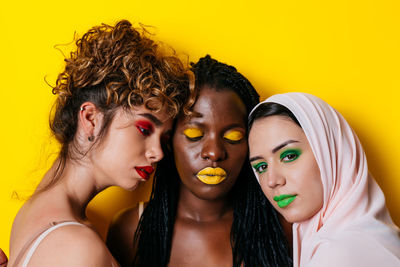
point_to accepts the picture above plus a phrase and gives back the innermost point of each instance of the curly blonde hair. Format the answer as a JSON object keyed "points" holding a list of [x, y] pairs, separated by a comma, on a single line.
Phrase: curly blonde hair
{"points": [[112, 67]]}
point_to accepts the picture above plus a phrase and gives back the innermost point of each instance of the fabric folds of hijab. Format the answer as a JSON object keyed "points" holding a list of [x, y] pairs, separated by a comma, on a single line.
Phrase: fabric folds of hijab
{"points": [[353, 228]]}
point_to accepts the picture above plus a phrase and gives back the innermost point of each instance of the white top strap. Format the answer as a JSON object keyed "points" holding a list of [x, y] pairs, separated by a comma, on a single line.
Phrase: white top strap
{"points": [[141, 206], [41, 237]]}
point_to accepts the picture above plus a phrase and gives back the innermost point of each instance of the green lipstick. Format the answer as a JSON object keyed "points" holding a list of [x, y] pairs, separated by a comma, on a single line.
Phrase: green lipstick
{"points": [[284, 200]]}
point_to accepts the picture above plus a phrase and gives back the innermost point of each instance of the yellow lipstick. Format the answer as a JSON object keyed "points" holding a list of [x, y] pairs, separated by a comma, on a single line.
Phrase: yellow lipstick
{"points": [[211, 175]]}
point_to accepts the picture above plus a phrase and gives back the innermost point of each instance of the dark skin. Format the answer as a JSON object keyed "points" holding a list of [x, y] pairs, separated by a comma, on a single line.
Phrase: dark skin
{"points": [[205, 214], [3, 259]]}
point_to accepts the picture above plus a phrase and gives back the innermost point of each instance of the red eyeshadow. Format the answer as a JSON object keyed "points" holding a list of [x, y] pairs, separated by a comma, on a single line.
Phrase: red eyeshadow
{"points": [[144, 127]]}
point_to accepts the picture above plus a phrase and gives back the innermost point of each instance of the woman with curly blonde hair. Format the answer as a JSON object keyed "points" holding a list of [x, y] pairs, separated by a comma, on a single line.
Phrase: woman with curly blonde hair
{"points": [[116, 101]]}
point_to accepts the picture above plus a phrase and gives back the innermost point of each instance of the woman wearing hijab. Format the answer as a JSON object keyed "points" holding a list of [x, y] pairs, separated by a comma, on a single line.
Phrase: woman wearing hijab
{"points": [[313, 169]]}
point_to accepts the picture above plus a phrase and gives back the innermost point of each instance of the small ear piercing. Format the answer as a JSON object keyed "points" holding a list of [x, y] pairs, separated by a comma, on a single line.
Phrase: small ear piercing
{"points": [[90, 138]]}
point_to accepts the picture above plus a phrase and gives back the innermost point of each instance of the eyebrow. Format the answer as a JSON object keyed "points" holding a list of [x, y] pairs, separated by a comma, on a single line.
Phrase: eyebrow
{"points": [[255, 158], [275, 149], [153, 118], [194, 124], [235, 125], [283, 145]]}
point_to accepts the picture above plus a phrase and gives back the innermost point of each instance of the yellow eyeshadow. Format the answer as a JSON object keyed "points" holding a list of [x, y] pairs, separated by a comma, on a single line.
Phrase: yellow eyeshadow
{"points": [[193, 132], [234, 135]]}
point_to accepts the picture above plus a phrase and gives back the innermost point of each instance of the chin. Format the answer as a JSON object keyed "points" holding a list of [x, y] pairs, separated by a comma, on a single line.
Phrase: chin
{"points": [[131, 186], [211, 193], [291, 219], [296, 218]]}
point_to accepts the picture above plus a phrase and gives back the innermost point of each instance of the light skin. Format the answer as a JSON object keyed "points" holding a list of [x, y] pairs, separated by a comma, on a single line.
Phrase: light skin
{"points": [[217, 140], [286, 168], [133, 144], [132, 141]]}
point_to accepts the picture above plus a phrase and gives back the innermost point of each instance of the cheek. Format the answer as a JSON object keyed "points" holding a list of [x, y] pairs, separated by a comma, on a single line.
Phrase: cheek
{"points": [[318, 189], [314, 179], [184, 156], [313, 188], [131, 144], [306, 174]]}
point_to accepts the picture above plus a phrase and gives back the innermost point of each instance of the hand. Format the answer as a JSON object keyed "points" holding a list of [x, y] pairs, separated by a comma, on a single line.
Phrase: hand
{"points": [[3, 259]]}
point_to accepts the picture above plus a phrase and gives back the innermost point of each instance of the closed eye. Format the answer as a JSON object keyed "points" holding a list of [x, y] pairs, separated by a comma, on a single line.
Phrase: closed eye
{"points": [[233, 136], [193, 134]]}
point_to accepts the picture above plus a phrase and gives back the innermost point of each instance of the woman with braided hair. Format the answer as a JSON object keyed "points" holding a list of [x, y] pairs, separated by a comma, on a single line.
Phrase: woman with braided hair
{"points": [[117, 98], [206, 208]]}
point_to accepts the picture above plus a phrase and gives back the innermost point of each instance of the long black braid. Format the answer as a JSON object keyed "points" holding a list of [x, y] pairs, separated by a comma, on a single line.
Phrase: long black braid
{"points": [[256, 236]]}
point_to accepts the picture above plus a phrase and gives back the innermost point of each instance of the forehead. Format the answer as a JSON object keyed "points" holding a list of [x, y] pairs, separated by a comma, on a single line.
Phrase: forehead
{"points": [[224, 104], [274, 130], [160, 115]]}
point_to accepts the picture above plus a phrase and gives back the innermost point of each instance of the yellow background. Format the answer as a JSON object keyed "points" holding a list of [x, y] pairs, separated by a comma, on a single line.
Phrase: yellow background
{"points": [[344, 51]]}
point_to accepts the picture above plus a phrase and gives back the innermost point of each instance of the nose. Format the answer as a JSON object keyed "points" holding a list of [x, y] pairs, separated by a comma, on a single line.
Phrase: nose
{"points": [[213, 149], [274, 177], [154, 153]]}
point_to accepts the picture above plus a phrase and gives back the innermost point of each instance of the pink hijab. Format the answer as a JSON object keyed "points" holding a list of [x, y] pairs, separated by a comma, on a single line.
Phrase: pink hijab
{"points": [[353, 228]]}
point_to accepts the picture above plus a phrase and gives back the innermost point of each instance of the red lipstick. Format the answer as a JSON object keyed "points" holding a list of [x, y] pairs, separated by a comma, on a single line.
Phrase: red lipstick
{"points": [[144, 171]]}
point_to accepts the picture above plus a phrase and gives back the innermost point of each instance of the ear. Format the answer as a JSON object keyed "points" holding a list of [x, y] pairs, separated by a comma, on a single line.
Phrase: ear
{"points": [[90, 119]]}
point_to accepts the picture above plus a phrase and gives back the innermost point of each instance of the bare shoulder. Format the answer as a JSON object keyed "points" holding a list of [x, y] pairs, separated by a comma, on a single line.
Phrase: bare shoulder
{"points": [[121, 234], [72, 245]]}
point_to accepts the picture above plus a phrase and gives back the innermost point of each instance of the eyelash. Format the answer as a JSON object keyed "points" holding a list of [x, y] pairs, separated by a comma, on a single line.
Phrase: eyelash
{"points": [[288, 153], [232, 141], [197, 138], [235, 134], [260, 167], [193, 139], [145, 128]]}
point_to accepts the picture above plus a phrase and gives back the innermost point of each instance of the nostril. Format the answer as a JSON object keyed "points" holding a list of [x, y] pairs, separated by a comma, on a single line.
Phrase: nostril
{"points": [[205, 157], [213, 147]]}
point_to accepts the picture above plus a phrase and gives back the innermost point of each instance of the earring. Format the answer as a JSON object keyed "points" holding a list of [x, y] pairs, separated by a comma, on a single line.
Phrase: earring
{"points": [[81, 109], [90, 138]]}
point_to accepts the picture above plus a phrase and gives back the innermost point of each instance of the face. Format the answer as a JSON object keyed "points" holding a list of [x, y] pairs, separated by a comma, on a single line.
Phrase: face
{"points": [[129, 152], [211, 148], [285, 165]]}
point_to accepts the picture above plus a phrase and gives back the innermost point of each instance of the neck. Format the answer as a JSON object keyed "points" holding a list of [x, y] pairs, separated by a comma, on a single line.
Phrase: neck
{"points": [[76, 186], [198, 209]]}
